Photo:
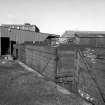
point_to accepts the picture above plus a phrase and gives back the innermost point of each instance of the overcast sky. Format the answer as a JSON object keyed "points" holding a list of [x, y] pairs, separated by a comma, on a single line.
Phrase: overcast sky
{"points": [[55, 16]]}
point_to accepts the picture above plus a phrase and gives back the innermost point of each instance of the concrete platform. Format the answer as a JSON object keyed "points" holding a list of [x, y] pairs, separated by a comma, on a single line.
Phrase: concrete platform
{"points": [[19, 86]]}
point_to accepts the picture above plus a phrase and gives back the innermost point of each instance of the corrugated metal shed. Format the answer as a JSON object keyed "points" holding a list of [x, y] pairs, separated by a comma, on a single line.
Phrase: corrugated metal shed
{"points": [[0, 40], [90, 39], [40, 36], [12, 35], [71, 33], [0, 45], [4, 32], [90, 35], [0, 31], [28, 35], [20, 36], [24, 35]]}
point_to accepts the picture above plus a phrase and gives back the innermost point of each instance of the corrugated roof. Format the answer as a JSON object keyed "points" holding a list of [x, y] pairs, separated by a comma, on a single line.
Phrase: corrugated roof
{"points": [[90, 35], [25, 35], [84, 33], [68, 34]]}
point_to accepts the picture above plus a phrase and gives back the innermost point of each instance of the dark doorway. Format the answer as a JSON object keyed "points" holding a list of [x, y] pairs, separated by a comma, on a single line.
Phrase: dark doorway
{"points": [[12, 43], [5, 43]]}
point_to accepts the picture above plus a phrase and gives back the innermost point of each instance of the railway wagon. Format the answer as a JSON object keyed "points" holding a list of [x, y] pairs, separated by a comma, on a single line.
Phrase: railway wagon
{"points": [[55, 63], [65, 74]]}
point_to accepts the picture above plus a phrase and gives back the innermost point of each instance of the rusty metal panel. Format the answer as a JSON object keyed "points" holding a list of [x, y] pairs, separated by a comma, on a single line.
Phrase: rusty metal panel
{"points": [[17, 34], [91, 41], [66, 57], [65, 73], [0, 31], [12, 35], [42, 59], [28, 36], [21, 53], [100, 42], [4, 32], [0, 45], [21, 37], [40, 36]]}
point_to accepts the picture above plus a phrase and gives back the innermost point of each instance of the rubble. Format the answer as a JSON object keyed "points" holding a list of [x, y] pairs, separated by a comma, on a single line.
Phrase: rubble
{"points": [[90, 54], [7, 59], [86, 96]]}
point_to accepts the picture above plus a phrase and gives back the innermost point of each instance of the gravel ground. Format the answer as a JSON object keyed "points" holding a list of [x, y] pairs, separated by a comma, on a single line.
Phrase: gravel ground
{"points": [[98, 69], [22, 87]]}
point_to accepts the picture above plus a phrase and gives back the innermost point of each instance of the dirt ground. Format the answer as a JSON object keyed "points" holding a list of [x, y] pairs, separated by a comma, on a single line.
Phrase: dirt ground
{"points": [[22, 87], [97, 69]]}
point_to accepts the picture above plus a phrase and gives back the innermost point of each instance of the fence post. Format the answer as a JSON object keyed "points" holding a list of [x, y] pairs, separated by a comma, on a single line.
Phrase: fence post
{"points": [[56, 62]]}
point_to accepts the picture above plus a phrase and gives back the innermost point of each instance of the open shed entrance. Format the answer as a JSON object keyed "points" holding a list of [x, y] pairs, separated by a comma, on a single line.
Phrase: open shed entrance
{"points": [[5, 43]]}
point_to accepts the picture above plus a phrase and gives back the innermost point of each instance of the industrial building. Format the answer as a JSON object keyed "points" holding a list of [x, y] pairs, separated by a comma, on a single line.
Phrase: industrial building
{"points": [[67, 65], [84, 38], [4, 42], [15, 34], [25, 26], [90, 39]]}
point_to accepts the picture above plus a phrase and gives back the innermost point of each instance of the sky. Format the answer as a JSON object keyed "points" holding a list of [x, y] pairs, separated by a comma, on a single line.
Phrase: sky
{"points": [[55, 16]]}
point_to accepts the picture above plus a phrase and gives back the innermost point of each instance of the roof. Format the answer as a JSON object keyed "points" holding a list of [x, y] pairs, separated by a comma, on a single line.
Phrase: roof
{"points": [[84, 34], [68, 34], [89, 35], [41, 36]]}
